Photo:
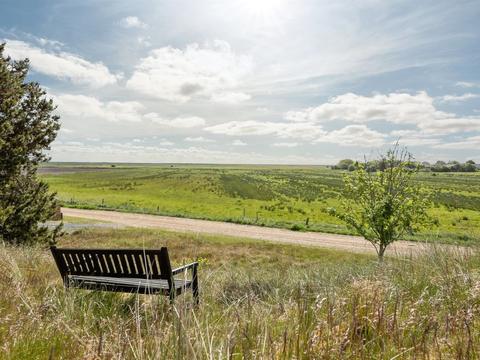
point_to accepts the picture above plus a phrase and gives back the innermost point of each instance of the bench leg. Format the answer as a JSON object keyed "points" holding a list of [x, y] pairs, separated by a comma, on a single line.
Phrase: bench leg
{"points": [[171, 295], [172, 292], [196, 297]]}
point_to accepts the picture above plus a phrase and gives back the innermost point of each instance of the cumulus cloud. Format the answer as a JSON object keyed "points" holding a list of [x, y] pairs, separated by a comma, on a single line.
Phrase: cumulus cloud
{"points": [[414, 138], [144, 41], [61, 65], [212, 71], [132, 22], [359, 135], [230, 97], [459, 98], [239, 142], [280, 129], [285, 144], [111, 151], [165, 142], [472, 142], [90, 107], [48, 42], [397, 108], [467, 84], [177, 122], [158, 142], [354, 135], [452, 125], [198, 139]]}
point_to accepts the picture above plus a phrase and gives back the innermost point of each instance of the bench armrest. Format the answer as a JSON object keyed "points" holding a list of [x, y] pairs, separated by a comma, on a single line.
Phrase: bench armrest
{"points": [[184, 268]]}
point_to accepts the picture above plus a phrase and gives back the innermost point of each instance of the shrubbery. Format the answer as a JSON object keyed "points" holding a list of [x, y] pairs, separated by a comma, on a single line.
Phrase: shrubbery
{"points": [[439, 166]]}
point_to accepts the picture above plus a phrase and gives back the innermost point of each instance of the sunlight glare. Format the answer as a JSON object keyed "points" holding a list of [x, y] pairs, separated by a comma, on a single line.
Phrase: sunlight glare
{"points": [[263, 13], [262, 8]]}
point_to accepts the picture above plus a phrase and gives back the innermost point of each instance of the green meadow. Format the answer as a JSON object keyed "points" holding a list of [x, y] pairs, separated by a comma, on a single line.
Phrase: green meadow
{"points": [[295, 197]]}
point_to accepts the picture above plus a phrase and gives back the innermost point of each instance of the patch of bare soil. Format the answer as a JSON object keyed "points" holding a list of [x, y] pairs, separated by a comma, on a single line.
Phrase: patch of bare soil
{"points": [[333, 241]]}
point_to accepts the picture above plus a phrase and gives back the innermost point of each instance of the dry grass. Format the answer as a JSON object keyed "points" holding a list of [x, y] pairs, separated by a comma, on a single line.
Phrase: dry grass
{"points": [[259, 301]]}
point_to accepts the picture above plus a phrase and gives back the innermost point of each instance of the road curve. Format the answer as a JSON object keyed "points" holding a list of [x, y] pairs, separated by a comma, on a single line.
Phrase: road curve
{"points": [[332, 241]]}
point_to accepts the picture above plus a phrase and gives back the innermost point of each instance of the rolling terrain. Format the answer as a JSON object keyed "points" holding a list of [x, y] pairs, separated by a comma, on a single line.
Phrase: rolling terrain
{"points": [[291, 197]]}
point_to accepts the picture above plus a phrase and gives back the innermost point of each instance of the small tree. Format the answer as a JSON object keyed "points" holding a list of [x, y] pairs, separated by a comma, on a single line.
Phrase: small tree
{"points": [[344, 164], [385, 205], [27, 128]]}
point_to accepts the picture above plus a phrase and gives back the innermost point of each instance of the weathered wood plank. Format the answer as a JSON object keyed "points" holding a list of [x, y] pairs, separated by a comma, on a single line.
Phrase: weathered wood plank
{"points": [[128, 270]]}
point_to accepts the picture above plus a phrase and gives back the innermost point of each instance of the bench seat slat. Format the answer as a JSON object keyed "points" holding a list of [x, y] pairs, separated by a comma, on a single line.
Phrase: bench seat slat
{"points": [[123, 264], [123, 270], [116, 263], [132, 285], [130, 281], [69, 262]]}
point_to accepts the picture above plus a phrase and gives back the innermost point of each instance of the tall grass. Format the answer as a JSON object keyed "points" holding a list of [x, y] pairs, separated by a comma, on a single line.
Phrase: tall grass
{"points": [[258, 300]]}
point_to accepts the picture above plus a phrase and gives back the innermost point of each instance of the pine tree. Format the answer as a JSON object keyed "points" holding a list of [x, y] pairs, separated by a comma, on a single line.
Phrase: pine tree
{"points": [[27, 128]]}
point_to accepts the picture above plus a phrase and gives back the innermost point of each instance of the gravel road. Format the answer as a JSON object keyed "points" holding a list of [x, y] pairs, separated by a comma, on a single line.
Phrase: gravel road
{"points": [[332, 241]]}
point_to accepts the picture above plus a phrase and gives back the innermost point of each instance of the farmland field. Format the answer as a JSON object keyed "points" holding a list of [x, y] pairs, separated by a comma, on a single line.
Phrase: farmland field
{"points": [[279, 196]]}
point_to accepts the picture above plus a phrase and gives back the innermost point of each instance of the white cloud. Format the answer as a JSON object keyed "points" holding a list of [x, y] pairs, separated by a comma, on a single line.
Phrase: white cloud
{"points": [[199, 139], [114, 152], [285, 144], [452, 125], [239, 142], [467, 84], [178, 75], [459, 98], [165, 142], [90, 107], [230, 97], [144, 41], [74, 143], [61, 65], [48, 42], [279, 129], [414, 138], [472, 142], [351, 135], [397, 108], [132, 22], [354, 135], [158, 142], [177, 122]]}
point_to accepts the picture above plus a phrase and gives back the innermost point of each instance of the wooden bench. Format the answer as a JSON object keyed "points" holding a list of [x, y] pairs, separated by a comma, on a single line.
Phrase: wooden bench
{"points": [[124, 270]]}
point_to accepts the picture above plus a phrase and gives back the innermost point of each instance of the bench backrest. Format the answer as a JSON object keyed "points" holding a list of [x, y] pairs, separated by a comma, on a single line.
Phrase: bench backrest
{"points": [[126, 263]]}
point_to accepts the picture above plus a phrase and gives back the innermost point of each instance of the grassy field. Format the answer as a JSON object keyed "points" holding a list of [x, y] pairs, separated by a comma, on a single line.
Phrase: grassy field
{"points": [[258, 301], [278, 196], [288, 196]]}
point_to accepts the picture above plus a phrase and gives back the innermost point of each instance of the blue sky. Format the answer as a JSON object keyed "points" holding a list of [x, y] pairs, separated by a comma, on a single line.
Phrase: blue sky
{"points": [[249, 81]]}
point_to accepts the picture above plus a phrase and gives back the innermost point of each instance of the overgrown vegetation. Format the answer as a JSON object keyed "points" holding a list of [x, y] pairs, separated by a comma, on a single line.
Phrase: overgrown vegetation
{"points": [[27, 127], [438, 166], [277, 196], [322, 304]]}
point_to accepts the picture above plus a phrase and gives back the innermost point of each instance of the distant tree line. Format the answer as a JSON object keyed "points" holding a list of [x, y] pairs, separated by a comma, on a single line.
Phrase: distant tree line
{"points": [[439, 166]]}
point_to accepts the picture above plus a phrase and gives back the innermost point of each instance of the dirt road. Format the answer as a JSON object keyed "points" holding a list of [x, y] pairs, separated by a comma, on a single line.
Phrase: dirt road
{"points": [[339, 242]]}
